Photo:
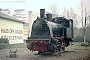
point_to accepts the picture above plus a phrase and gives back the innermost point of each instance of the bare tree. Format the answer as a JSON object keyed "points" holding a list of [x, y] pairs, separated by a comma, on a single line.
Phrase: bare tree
{"points": [[70, 14], [84, 17], [85, 21], [54, 10], [65, 12]]}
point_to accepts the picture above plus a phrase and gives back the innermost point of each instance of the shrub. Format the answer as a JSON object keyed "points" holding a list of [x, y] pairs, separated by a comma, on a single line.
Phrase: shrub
{"points": [[4, 43], [4, 40]]}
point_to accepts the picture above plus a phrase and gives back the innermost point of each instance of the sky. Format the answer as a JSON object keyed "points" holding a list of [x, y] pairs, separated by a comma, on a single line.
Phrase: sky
{"points": [[36, 5]]}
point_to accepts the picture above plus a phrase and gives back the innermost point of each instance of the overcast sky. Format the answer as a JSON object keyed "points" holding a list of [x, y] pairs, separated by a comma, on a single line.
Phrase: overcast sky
{"points": [[35, 5]]}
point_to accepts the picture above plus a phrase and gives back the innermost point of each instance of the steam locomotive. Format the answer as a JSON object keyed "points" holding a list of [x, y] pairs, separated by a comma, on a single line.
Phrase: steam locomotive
{"points": [[50, 34]]}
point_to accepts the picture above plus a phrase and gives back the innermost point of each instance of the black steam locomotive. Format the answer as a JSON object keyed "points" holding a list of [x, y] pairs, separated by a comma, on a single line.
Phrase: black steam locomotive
{"points": [[50, 34]]}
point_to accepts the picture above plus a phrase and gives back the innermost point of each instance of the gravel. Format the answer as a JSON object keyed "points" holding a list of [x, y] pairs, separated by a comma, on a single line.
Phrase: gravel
{"points": [[28, 55]]}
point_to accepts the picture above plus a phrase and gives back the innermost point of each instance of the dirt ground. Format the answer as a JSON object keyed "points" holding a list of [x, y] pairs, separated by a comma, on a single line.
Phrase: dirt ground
{"points": [[28, 55]]}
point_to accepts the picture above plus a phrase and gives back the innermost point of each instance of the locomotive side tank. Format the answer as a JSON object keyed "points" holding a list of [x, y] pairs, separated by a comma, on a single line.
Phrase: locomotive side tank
{"points": [[50, 34]]}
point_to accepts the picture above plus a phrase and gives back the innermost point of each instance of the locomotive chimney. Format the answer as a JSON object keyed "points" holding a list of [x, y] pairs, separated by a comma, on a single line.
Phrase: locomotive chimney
{"points": [[42, 12]]}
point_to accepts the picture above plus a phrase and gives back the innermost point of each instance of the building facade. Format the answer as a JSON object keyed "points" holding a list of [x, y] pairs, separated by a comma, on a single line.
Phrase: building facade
{"points": [[11, 28], [21, 15], [6, 11], [26, 30]]}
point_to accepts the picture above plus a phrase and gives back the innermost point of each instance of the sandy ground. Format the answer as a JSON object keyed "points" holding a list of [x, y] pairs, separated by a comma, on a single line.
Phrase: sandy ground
{"points": [[28, 55]]}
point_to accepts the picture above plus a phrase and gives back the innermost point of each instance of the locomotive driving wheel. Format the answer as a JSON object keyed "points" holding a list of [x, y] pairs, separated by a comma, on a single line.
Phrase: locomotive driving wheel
{"points": [[63, 47], [45, 53], [41, 52]]}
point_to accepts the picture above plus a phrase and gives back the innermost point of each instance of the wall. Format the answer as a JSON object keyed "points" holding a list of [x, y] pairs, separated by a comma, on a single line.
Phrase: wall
{"points": [[12, 30]]}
